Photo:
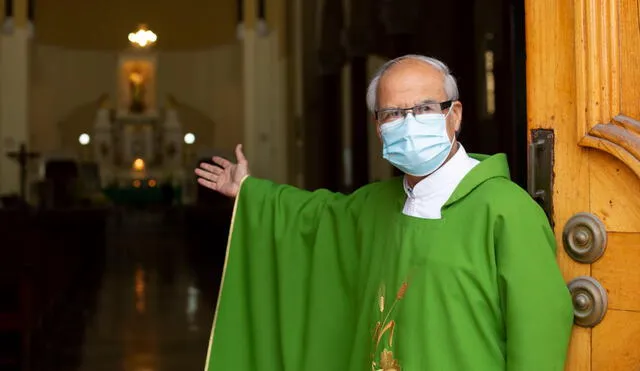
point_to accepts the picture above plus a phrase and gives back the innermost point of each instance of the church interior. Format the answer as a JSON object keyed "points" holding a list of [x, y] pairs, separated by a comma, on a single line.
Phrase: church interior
{"points": [[110, 252]]}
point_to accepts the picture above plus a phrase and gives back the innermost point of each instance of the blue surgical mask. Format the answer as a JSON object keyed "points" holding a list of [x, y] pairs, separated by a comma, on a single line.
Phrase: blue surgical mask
{"points": [[417, 145]]}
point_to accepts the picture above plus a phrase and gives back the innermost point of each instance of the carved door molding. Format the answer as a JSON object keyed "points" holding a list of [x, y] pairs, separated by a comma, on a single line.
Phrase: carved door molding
{"points": [[601, 73]]}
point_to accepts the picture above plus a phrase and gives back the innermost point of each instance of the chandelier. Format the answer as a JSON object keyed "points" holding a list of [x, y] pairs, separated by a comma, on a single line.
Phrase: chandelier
{"points": [[143, 37]]}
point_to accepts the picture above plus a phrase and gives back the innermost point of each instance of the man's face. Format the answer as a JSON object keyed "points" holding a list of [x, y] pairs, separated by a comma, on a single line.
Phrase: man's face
{"points": [[411, 82]]}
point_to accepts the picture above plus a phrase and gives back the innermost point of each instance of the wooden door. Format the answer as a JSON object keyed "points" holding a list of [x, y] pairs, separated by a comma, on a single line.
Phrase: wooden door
{"points": [[583, 82]]}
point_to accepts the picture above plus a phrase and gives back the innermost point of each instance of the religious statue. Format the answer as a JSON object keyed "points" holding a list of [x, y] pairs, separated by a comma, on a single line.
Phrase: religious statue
{"points": [[137, 89]]}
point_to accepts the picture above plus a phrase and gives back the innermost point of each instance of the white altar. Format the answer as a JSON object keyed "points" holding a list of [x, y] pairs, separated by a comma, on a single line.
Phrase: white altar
{"points": [[136, 141], [135, 137]]}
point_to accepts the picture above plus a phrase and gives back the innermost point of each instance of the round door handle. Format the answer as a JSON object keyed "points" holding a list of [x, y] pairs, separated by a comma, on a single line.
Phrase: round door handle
{"points": [[584, 238], [589, 301]]}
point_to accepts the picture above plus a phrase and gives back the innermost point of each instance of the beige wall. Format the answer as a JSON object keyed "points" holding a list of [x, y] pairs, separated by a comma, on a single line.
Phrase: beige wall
{"points": [[105, 24], [66, 84], [210, 81]]}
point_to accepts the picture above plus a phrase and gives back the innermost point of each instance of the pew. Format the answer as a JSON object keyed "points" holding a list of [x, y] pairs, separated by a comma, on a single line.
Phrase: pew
{"points": [[21, 288], [50, 265], [76, 245]]}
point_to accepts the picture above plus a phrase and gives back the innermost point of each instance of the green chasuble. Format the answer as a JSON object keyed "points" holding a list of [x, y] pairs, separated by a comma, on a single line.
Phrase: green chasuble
{"points": [[325, 281]]}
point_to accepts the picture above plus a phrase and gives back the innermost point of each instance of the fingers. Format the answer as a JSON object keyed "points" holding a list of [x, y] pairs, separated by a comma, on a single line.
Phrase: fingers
{"points": [[207, 183], [205, 174], [209, 177], [222, 162], [211, 168], [239, 155]]}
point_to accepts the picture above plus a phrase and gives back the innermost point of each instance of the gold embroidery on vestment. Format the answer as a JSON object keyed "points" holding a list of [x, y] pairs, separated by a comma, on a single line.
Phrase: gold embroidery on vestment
{"points": [[385, 325]]}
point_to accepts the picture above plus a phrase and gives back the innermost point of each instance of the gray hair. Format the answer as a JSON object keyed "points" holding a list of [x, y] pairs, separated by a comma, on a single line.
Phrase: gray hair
{"points": [[450, 84]]}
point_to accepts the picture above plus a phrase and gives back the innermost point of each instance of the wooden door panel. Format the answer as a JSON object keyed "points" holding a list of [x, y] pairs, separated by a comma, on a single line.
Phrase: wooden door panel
{"points": [[552, 103], [629, 26], [583, 81], [615, 342], [614, 192], [579, 354], [619, 272]]}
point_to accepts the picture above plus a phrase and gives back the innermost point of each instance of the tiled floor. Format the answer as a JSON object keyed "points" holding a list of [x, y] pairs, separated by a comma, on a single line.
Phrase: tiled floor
{"points": [[150, 314]]}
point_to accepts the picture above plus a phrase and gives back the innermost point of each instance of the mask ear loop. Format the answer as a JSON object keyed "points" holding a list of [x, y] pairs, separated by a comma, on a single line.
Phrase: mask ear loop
{"points": [[455, 133], [453, 140]]}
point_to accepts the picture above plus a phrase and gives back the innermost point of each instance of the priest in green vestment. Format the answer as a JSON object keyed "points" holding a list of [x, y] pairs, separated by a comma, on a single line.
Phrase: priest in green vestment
{"points": [[450, 267]]}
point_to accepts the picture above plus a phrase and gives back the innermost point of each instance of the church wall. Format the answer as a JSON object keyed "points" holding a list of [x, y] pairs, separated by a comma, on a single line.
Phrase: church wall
{"points": [[66, 85], [209, 81], [105, 24]]}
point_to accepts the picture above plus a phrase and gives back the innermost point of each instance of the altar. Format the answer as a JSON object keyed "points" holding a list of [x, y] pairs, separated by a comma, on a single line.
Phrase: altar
{"points": [[139, 142], [136, 143]]}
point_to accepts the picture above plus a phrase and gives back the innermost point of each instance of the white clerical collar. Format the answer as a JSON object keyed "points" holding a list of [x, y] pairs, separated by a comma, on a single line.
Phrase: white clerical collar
{"points": [[445, 179]]}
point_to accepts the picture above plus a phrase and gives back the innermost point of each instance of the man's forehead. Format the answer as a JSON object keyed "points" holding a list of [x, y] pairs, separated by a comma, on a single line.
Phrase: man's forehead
{"points": [[413, 75], [415, 67], [409, 83]]}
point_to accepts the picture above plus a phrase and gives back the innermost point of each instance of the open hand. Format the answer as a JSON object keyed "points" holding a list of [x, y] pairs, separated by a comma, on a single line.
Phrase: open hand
{"points": [[225, 178]]}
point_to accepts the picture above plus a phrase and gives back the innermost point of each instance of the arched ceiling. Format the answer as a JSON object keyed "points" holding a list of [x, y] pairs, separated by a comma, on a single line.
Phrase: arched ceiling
{"points": [[105, 24]]}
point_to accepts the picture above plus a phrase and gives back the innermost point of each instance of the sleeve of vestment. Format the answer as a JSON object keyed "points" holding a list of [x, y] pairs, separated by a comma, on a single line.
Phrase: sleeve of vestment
{"points": [[535, 300], [288, 250]]}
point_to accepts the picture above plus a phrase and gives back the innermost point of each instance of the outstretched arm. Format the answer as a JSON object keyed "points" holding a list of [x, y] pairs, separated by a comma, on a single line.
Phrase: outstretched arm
{"points": [[227, 178], [289, 251]]}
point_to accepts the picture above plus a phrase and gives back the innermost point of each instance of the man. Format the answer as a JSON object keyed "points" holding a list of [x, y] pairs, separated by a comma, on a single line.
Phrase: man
{"points": [[451, 267]]}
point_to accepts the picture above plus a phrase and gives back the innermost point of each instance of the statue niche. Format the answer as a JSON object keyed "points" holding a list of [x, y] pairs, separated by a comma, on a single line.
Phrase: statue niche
{"points": [[137, 92], [137, 85]]}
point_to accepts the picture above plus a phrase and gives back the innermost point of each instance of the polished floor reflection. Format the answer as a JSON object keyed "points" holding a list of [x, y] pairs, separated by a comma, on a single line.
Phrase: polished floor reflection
{"points": [[150, 313]]}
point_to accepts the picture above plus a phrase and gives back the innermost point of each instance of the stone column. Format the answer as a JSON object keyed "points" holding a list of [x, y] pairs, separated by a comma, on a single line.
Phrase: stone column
{"points": [[14, 96], [102, 142], [173, 139], [265, 129], [276, 88], [250, 69]]}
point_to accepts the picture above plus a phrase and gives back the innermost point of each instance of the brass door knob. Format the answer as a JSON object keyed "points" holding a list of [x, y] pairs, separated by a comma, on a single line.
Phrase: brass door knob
{"points": [[589, 301], [584, 238]]}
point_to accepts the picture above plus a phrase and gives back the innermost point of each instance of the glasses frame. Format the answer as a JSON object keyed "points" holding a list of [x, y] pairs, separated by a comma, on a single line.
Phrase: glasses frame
{"points": [[443, 105]]}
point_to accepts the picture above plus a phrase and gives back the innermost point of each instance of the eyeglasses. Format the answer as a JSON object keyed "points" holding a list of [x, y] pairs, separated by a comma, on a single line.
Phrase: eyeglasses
{"points": [[391, 114]]}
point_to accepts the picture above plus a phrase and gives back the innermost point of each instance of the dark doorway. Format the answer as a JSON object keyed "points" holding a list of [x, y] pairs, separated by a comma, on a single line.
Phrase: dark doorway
{"points": [[483, 42]]}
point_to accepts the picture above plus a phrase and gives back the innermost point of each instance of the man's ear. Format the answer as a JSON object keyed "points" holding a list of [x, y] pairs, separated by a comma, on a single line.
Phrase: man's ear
{"points": [[458, 110]]}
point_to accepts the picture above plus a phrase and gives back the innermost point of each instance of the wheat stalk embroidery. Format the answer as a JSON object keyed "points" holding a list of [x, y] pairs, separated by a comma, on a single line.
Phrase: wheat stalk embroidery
{"points": [[384, 325]]}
